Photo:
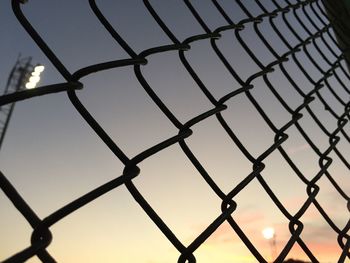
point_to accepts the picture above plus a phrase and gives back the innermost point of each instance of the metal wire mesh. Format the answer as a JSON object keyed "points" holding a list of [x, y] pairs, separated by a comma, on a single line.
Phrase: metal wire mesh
{"points": [[317, 39]]}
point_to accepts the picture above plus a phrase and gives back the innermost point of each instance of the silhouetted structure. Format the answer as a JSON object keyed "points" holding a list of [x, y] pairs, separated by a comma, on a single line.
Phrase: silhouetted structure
{"points": [[16, 81]]}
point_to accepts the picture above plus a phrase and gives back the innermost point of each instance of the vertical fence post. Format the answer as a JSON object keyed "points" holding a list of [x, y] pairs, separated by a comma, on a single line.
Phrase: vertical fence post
{"points": [[339, 16]]}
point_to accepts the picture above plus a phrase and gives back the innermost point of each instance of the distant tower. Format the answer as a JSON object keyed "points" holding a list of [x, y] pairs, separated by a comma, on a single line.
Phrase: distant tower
{"points": [[17, 80], [270, 235]]}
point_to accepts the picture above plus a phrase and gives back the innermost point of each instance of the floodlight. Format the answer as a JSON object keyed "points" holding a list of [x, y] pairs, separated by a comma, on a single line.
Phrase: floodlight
{"points": [[39, 68], [268, 233], [34, 79], [30, 85]]}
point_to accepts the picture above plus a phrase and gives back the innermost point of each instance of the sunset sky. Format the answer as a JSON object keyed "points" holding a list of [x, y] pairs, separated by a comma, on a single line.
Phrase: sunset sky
{"points": [[52, 156]]}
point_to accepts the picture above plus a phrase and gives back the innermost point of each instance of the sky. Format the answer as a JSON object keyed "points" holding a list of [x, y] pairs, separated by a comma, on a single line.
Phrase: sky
{"points": [[52, 156]]}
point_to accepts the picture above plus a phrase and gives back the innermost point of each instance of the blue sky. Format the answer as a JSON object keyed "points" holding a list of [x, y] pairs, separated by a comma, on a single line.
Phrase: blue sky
{"points": [[52, 156]]}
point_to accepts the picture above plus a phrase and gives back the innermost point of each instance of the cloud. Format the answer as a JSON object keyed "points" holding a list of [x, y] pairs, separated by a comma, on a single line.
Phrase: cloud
{"points": [[317, 235], [224, 233], [321, 240], [297, 149], [251, 223]]}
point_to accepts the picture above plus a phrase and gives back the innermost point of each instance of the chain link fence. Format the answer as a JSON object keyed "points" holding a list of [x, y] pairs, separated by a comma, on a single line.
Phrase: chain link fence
{"points": [[307, 32]]}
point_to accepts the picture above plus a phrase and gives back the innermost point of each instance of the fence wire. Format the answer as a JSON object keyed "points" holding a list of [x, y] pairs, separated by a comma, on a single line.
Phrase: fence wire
{"points": [[310, 15]]}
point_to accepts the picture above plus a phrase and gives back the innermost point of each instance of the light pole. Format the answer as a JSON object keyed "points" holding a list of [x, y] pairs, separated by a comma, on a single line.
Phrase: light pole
{"points": [[270, 235], [22, 76]]}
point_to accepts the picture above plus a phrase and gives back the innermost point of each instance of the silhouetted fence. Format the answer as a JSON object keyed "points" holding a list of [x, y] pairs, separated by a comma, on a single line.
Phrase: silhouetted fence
{"points": [[313, 36]]}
